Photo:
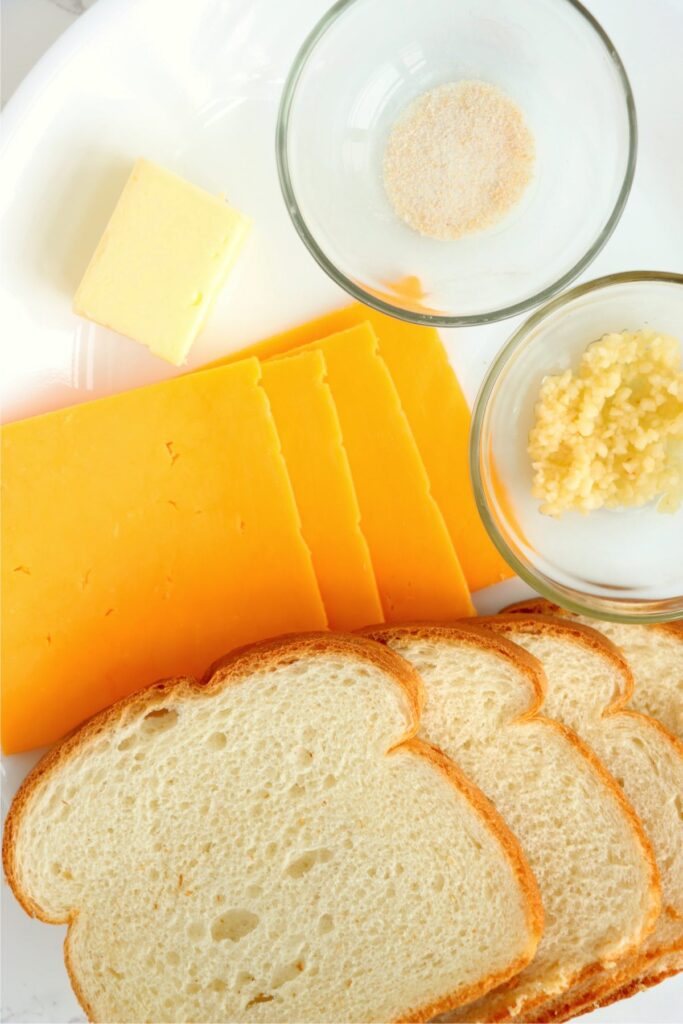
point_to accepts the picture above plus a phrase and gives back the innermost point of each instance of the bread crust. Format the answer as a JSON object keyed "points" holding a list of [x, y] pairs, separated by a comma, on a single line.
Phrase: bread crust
{"points": [[480, 635], [513, 851], [476, 636], [539, 623], [632, 975], [641, 984], [594, 999], [542, 606], [234, 668]]}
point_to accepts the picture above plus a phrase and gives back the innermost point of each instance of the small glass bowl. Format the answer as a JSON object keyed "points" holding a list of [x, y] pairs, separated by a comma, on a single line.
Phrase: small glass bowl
{"points": [[366, 61], [620, 564]]}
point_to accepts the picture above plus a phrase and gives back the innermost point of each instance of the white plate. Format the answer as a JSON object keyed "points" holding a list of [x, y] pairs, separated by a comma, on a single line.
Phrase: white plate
{"points": [[195, 85]]}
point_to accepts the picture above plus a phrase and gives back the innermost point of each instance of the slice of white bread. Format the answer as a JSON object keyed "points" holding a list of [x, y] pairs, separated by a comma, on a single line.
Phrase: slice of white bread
{"points": [[654, 652], [589, 686], [584, 842], [271, 845]]}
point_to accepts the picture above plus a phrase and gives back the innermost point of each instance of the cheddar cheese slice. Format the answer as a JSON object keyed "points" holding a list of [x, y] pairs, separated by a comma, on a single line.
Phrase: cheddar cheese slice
{"points": [[143, 536], [438, 415], [416, 568], [308, 426]]}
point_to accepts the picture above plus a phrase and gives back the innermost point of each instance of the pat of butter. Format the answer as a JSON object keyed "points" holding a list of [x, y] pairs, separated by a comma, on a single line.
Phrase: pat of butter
{"points": [[161, 261]]}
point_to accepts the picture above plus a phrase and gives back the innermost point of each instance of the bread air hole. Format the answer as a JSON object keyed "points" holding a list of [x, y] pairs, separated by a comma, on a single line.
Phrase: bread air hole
{"points": [[233, 925], [159, 720], [303, 864], [288, 973], [217, 741], [61, 872], [243, 980], [325, 924]]}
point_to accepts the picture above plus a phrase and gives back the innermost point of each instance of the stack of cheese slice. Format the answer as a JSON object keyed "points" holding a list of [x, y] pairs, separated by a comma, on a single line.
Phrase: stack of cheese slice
{"points": [[323, 484]]}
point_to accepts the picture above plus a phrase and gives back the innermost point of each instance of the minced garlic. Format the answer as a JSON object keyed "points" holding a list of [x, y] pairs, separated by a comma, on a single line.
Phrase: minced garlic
{"points": [[611, 434]]}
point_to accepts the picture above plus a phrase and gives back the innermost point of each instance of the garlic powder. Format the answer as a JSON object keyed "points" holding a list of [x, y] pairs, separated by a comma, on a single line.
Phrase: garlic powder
{"points": [[458, 159]]}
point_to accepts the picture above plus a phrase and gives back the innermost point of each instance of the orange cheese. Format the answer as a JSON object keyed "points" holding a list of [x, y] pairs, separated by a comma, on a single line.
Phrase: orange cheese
{"points": [[416, 568], [308, 426], [143, 535], [438, 415]]}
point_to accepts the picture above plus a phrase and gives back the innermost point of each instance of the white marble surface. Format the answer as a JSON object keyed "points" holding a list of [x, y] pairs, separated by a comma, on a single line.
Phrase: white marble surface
{"points": [[644, 32]]}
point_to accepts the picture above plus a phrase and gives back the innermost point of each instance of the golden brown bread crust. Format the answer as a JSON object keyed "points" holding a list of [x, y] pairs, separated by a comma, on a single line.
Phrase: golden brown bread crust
{"points": [[538, 623], [532, 606], [475, 636], [233, 668], [495, 821], [593, 1000], [643, 982], [542, 606], [245, 660], [632, 973], [526, 880], [483, 634]]}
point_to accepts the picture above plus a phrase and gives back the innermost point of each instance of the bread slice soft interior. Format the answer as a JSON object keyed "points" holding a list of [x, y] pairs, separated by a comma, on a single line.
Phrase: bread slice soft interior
{"points": [[654, 652], [584, 842], [589, 688], [271, 845]]}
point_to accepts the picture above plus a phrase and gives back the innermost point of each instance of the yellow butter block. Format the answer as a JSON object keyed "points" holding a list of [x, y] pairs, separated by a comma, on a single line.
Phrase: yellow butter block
{"points": [[161, 261]]}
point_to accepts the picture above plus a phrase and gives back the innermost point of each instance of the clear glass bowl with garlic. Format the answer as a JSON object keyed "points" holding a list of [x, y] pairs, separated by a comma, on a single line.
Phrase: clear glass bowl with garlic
{"points": [[577, 448]]}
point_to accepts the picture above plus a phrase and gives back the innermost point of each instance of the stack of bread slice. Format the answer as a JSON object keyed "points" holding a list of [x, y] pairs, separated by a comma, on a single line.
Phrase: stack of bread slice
{"points": [[587, 847], [465, 820], [645, 714]]}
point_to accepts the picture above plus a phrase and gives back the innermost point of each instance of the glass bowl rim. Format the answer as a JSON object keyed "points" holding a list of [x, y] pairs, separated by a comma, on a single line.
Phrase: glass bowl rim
{"points": [[601, 607], [429, 319]]}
